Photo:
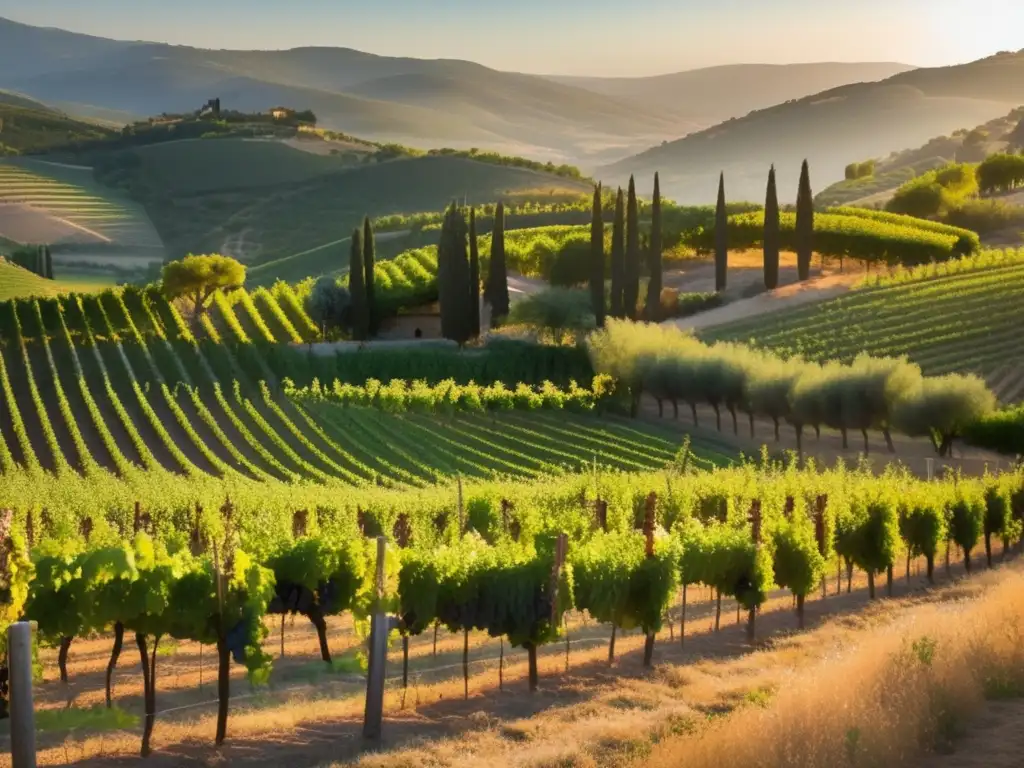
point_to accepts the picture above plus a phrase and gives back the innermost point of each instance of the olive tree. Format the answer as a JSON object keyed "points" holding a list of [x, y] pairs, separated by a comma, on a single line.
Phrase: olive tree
{"points": [[197, 278], [942, 407]]}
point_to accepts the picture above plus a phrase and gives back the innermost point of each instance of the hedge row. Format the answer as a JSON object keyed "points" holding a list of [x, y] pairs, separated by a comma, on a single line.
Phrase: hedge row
{"points": [[884, 394]]}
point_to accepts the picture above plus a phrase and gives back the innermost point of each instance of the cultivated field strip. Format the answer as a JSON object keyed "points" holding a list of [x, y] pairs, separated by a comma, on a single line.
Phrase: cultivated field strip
{"points": [[122, 382], [78, 209], [958, 323]]}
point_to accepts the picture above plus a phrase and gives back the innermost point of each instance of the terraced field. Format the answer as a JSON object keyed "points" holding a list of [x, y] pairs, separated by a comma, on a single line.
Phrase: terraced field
{"points": [[66, 208], [121, 383], [969, 321]]}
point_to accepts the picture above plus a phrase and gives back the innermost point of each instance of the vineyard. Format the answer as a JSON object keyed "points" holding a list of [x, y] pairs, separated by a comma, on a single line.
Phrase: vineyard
{"points": [[955, 317], [42, 203], [510, 559], [91, 386], [861, 234]]}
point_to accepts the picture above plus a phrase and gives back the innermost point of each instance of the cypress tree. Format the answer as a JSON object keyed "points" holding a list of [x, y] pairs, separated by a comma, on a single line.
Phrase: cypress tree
{"points": [[443, 260], [771, 234], [369, 258], [631, 281], [653, 306], [618, 255], [49, 263], [804, 224], [460, 277], [453, 277], [721, 237], [357, 288], [474, 277], [597, 258], [496, 292]]}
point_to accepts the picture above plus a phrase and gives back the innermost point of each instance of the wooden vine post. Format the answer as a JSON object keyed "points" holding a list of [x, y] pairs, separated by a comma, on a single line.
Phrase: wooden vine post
{"points": [[755, 530], [223, 571], [380, 626], [561, 549], [819, 535], [403, 538], [650, 509]]}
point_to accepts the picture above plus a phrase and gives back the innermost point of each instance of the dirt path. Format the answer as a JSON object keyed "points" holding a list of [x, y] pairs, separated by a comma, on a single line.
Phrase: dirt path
{"points": [[995, 740], [914, 453], [746, 276]]}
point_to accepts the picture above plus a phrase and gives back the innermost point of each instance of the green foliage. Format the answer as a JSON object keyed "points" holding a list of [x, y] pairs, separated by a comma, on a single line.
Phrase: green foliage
{"points": [[616, 305], [722, 239], [1001, 431], [555, 309], [596, 260], [797, 562], [399, 396], [862, 170], [329, 305], [967, 519], [923, 523], [1001, 173], [868, 535], [199, 277], [357, 287], [496, 290], [936, 192], [631, 265], [771, 234], [806, 226], [616, 583]]}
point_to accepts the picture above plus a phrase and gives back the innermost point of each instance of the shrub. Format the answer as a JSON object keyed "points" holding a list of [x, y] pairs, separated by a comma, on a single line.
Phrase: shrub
{"points": [[985, 216], [1001, 173], [555, 309], [570, 265], [1002, 431]]}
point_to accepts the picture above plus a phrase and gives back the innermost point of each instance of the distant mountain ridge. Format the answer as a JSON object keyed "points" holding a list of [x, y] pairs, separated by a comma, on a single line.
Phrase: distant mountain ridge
{"points": [[416, 101], [831, 129]]}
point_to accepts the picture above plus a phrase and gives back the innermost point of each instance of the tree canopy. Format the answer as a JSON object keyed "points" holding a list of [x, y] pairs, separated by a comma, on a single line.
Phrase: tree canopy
{"points": [[197, 278]]}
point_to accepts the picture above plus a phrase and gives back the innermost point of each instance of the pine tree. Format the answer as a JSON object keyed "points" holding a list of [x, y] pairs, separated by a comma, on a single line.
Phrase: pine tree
{"points": [[618, 256], [357, 288], [804, 224], [721, 237], [369, 258], [653, 305], [631, 281], [496, 292], [771, 234], [597, 258], [474, 277]]}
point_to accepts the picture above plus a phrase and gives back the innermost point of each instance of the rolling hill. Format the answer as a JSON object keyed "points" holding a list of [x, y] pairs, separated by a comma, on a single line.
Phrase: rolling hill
{"points": [[82, 220], [287, 211], [28, 126], [830, 129], [890, 172], [718, 93], [413, 101]]}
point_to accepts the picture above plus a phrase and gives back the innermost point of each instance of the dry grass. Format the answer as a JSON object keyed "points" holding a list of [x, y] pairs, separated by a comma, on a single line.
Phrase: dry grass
{"points": [[896, 692]]}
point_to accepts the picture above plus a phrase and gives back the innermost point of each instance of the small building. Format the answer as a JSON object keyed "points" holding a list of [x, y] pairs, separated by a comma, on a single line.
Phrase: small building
{"points": [[423, 322], [281, 113]]}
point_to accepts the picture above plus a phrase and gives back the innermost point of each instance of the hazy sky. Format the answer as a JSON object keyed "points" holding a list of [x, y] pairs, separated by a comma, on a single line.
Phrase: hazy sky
{"points": [[601, 37]]}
